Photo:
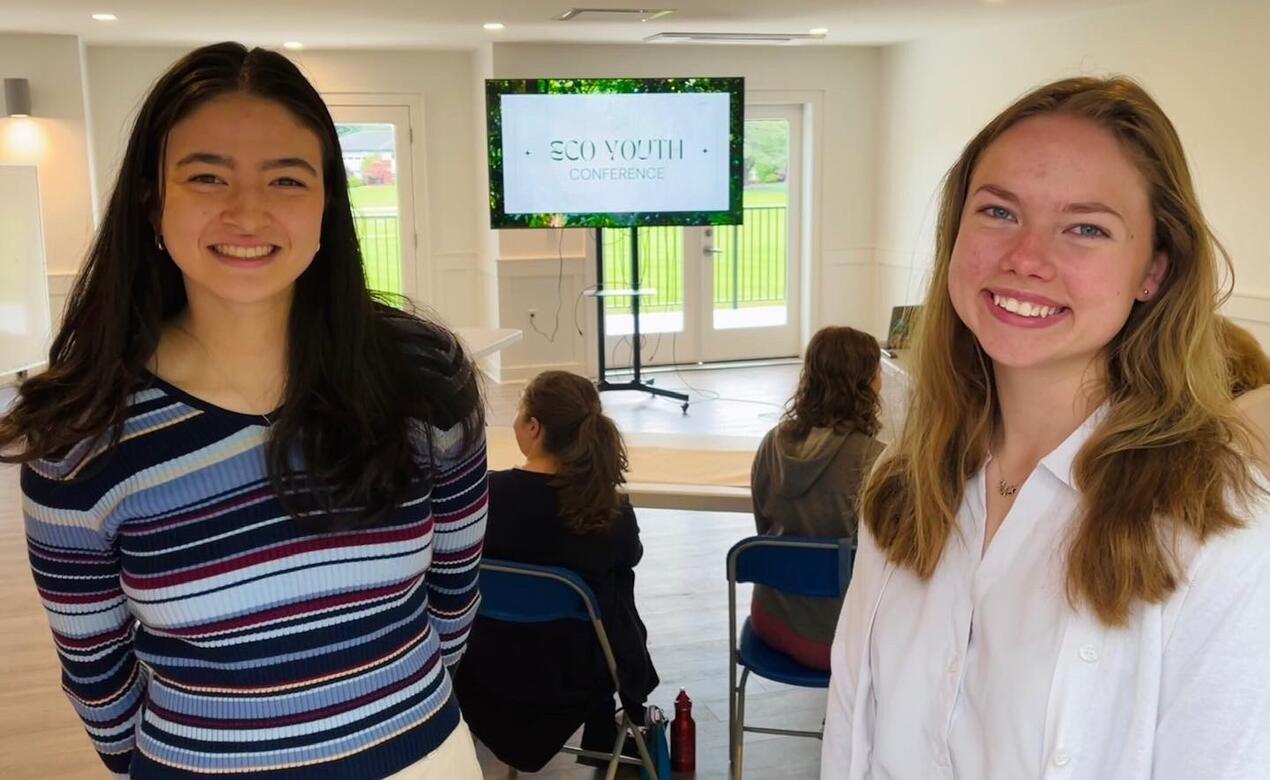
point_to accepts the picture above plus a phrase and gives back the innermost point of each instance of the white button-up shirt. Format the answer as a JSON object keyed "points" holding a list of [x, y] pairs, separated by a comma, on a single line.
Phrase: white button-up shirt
{"points": [[985, 672]]}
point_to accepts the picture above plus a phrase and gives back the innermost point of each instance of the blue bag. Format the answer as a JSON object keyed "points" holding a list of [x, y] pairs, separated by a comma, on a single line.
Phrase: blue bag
{"points": [[657, 737]]}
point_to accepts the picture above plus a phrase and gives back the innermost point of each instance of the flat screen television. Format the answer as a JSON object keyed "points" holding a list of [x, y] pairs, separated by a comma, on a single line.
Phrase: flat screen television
{"points": [[615, 152]]}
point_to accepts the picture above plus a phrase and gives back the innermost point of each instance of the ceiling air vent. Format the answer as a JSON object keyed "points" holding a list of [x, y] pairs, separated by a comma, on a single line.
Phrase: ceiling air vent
{"points": [[718, 37], [614, 14]]}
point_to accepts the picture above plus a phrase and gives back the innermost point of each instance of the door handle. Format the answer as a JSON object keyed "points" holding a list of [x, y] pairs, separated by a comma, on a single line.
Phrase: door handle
{"points": [[712, 250]]}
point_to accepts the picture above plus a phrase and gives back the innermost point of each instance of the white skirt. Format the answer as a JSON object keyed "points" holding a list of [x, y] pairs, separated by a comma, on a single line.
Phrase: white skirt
{"points": [[454, 759]]}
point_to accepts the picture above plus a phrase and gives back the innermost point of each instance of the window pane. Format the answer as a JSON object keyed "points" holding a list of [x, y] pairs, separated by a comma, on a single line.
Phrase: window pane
{"points": [[751, 271], [370, 162]]}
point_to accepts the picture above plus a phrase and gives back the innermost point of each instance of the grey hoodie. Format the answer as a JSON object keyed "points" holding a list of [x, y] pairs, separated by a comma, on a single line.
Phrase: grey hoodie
{"points": [[809, 487]]}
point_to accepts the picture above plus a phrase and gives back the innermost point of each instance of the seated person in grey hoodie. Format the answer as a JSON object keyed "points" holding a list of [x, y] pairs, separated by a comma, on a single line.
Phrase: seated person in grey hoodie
{"points": [[807, 474]]}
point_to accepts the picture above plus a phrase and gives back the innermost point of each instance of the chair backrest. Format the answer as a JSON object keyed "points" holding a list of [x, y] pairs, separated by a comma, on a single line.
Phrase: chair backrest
{"points": [[801, 565], [527, 593]]}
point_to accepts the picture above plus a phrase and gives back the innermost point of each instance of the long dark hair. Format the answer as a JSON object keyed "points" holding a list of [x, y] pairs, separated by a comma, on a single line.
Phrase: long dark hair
{"points": [[835, 388], [359, 372], [586, 445]]}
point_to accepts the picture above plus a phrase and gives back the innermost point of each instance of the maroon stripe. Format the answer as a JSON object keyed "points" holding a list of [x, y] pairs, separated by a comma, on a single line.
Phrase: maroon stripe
{"points": [[466, 509], [79, 643], [211, 511], [79, 598], [298, 717], [301, 547], [292, 610], [59, 556], [467, 553]]}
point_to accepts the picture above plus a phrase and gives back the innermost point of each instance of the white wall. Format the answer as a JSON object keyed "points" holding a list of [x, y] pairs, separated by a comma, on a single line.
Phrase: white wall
{"points": [[54, 139], [447, 207], [841, 85], [1207, 64]]}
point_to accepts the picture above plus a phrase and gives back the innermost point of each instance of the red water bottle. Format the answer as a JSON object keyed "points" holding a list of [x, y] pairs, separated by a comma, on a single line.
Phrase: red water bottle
{"points": [[683, 736]]}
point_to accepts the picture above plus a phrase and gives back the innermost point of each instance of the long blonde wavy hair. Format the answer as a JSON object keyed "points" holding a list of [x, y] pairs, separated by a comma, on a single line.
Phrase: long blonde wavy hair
{"points": [[1168, 457]]}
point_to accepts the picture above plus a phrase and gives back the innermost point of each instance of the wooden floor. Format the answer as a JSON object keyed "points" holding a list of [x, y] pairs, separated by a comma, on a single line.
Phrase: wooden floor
{"points": [[681, 591], [722, 402]]}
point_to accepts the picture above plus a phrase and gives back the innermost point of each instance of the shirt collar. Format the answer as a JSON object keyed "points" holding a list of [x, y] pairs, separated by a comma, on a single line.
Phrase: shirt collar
{"points": [[1061, 459]]}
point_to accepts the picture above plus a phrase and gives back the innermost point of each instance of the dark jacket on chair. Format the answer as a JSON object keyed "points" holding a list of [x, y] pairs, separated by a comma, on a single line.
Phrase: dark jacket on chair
{"points": [[809, 487], [525, 688]]}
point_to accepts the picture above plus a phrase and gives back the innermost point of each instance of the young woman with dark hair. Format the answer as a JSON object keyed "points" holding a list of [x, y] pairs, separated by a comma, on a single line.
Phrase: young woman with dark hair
{"points": [[807, 474], [254, 494], [526, 688]]}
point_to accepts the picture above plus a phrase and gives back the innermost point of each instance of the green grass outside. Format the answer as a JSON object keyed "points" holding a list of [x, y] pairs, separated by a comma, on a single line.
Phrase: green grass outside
{"points": [[759, 248], [381, 253], [373, 196], [379, 237]]}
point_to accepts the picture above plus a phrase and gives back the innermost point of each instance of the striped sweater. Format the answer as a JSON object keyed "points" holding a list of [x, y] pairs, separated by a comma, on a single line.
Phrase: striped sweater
{"points": [[201, 633]]}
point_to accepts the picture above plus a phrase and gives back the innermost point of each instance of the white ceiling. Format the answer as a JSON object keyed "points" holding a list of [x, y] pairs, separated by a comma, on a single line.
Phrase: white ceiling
{"points": [[457, 23]]}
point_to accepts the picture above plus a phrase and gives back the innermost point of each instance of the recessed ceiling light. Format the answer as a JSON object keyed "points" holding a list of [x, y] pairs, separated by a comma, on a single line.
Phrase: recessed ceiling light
{"points": [[493, 25], [105, 17], [293, 45], [818, 31]]}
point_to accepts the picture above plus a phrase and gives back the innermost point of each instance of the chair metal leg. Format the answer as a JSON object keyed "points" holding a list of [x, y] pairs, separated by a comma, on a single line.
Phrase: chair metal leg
{"points": [[617, 751], [738, 727], [732, 740], [644, 755]]}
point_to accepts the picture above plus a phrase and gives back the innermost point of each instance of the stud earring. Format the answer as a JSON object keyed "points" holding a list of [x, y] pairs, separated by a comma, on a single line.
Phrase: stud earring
{"points": [[158, 242]]}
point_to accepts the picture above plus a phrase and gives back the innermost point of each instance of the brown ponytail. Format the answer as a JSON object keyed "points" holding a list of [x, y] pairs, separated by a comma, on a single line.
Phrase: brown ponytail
{"points": [[585, 443]]}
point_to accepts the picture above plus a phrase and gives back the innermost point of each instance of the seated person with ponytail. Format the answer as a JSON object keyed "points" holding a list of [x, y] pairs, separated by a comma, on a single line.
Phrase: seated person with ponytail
{"points": [[524, 689]]}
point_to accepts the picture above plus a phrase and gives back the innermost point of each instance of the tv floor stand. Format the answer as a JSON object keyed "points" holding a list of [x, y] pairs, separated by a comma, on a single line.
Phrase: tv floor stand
{"points": [[635, 292]]}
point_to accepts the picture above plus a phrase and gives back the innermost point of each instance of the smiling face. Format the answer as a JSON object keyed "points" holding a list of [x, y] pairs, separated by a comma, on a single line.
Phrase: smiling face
{"points": [[1054, 245], [242, 200]]}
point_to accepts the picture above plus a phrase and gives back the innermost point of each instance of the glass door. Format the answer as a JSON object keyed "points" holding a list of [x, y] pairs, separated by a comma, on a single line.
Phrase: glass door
{"points": [[750, 296], [661, 314], [375, 143], [727, 292]]}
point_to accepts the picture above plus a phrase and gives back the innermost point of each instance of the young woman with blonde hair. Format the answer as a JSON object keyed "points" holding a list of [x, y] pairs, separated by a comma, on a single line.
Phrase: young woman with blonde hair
{"points": [[1064, 561]]}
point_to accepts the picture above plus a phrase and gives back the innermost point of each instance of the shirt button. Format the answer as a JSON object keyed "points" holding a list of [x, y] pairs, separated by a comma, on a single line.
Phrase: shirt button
{"points": [[942, 760], [1062, 757], [1088, 653], [952, 666]]}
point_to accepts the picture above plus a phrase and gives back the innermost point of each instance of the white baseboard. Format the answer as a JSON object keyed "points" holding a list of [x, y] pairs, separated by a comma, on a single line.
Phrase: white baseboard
{"points": [[527, 372]]}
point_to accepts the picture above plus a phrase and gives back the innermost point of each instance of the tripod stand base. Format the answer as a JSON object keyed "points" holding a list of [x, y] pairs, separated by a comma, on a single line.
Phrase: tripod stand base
{"points": [[604, 386]]}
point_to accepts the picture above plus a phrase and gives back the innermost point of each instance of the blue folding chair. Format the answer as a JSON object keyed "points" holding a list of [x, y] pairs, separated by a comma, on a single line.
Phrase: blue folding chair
{"points": [[526, 593], [802, 566]]}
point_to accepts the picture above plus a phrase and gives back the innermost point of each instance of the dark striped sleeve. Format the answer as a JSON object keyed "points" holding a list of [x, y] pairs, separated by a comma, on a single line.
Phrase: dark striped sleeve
{"points": [[460, 499], [76, 568]]}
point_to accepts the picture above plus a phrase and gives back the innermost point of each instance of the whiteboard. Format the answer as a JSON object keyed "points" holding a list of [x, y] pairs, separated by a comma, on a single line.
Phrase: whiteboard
{"points": [[25, 323]]}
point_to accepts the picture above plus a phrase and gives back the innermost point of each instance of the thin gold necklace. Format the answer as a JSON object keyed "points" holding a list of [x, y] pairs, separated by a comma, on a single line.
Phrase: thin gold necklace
{"points": [[1006, 489], [224, 377]]}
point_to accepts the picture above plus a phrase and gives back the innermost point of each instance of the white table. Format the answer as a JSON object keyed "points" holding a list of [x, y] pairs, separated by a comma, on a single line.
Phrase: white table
{"points": [[486, 341]]}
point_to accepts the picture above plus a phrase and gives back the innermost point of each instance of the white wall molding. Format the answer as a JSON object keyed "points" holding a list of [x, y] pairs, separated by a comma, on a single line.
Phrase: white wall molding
{"points": [[542, 265], [523, 373], [1250, 307], [60, 284]]}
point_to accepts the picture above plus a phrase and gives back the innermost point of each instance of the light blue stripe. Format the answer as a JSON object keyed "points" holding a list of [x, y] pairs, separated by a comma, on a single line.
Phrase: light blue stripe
{"points": [[158, 661], [262, 761]]}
